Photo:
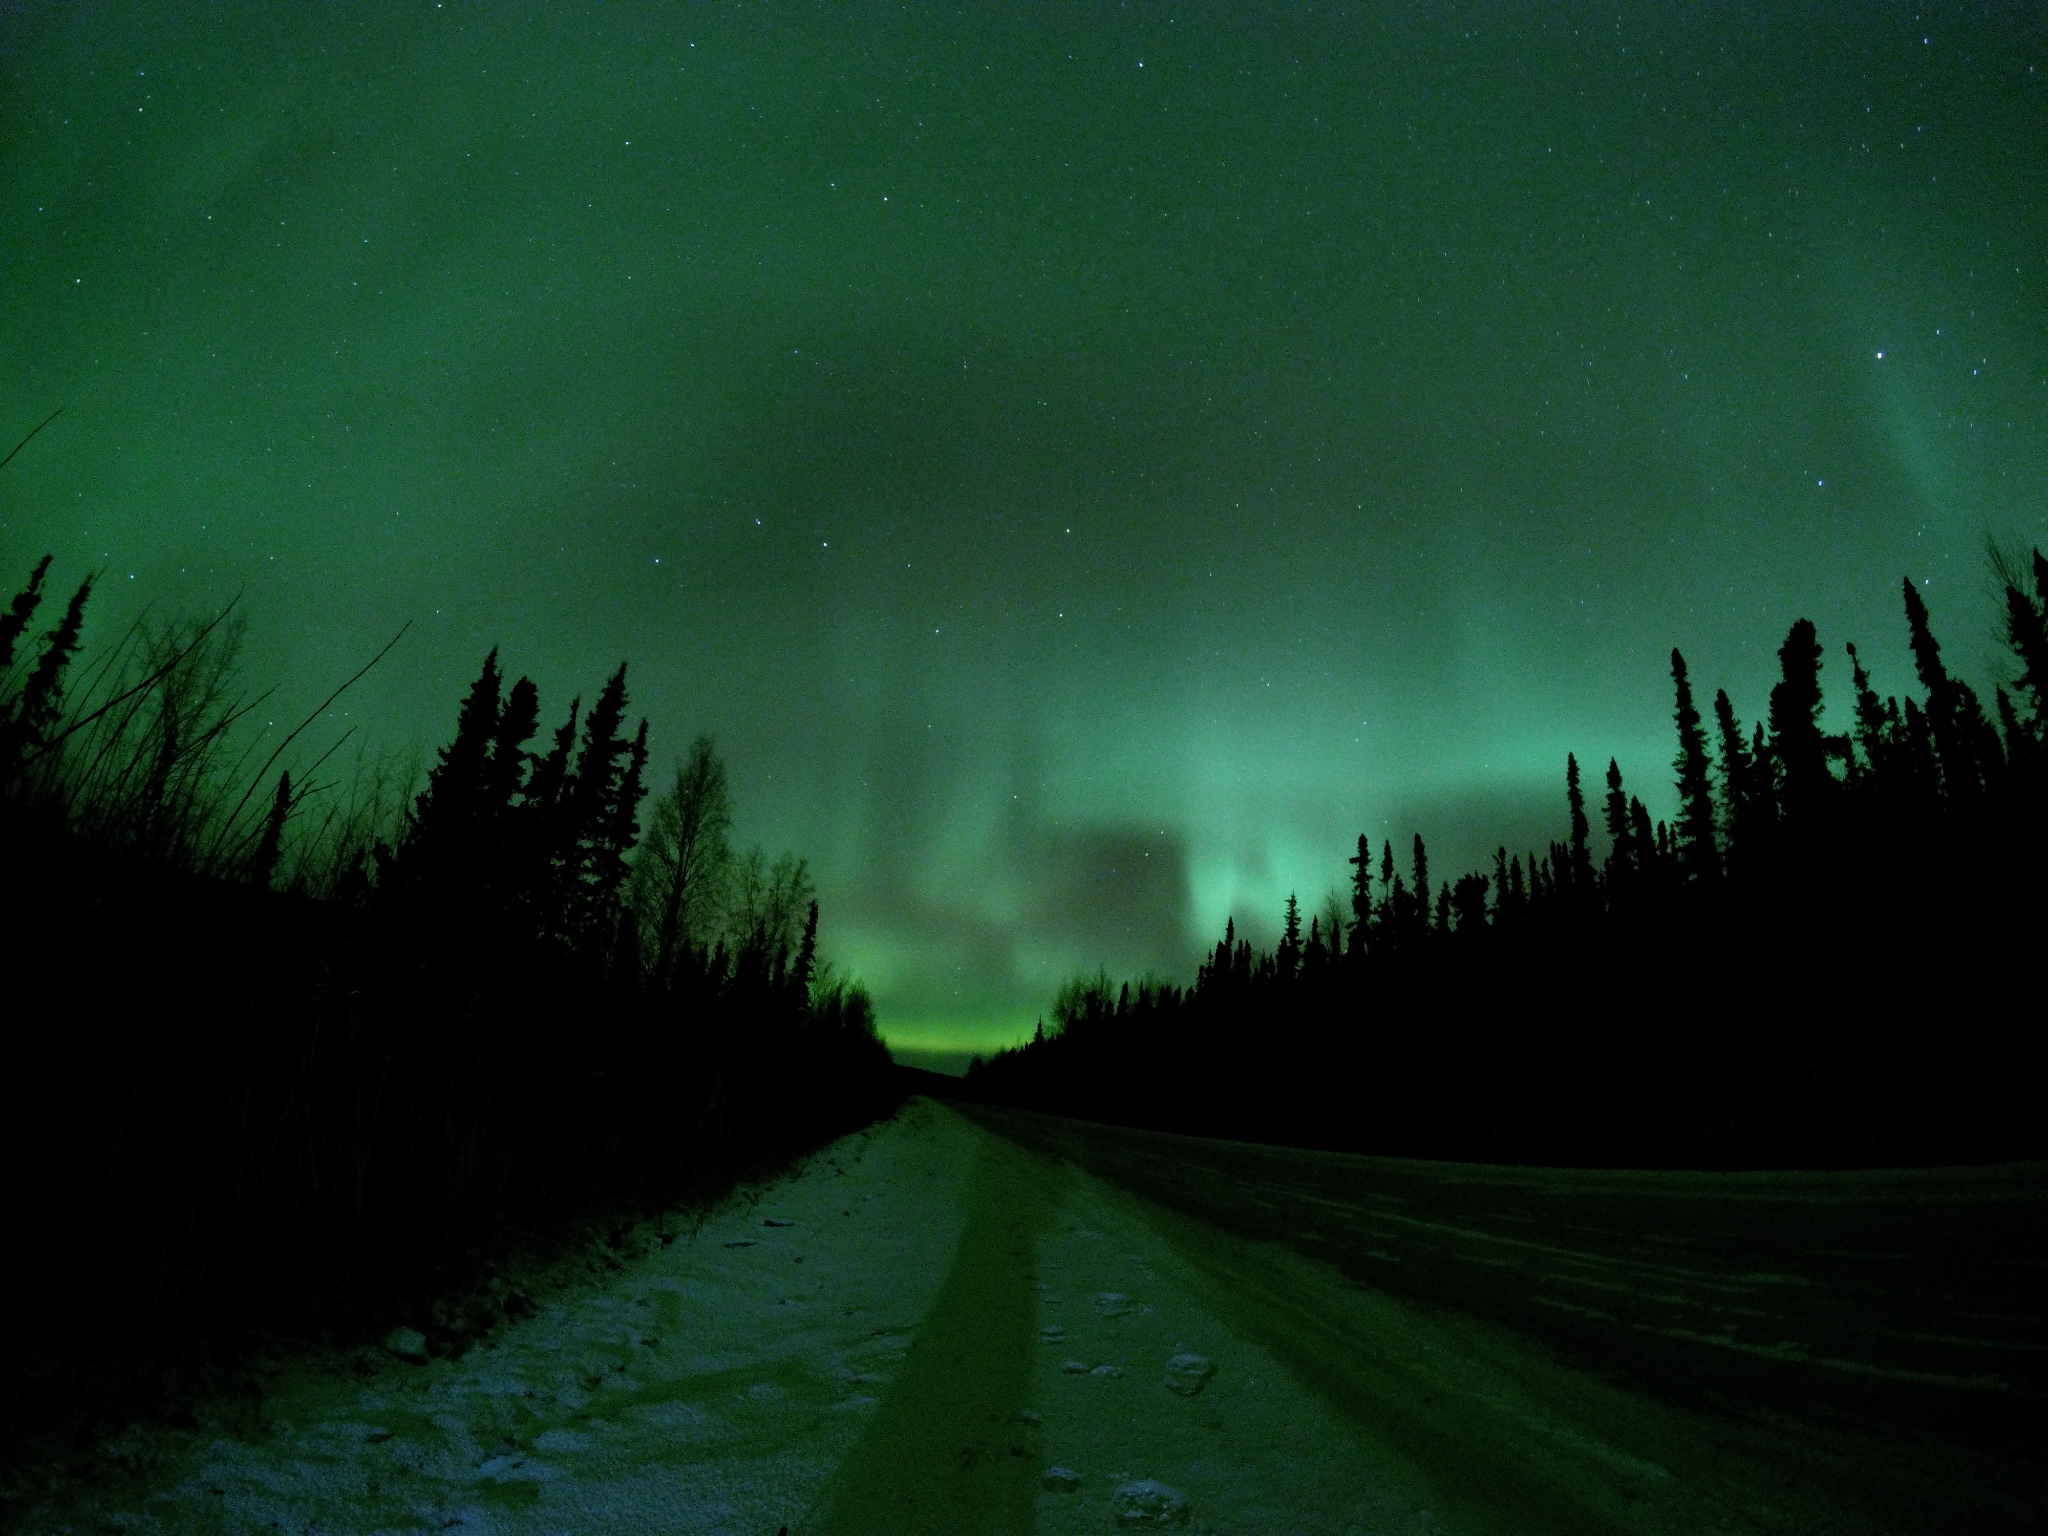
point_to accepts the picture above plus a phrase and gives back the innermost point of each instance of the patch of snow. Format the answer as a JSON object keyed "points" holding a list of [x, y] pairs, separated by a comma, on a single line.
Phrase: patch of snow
{"points": [[1062, 1480], [1187, 1373], [408, 1344], [1148, 1503]]}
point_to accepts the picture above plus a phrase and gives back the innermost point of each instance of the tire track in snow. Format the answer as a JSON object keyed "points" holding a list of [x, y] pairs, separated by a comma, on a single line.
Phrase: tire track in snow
{"points": [[947, 1451]]}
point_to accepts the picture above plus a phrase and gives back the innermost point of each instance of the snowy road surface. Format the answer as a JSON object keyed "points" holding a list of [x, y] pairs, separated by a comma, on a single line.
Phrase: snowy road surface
{"points": [[929, 1329]]}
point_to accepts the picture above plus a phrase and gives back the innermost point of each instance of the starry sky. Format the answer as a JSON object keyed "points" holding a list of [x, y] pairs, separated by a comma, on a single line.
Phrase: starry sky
{"points": [[1085, 464]]}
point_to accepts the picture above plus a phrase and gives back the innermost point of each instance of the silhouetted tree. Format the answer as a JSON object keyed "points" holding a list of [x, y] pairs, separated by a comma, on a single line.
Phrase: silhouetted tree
{"points": [[1949, 713], [1316, 955], [16, 620], [1581, 861], [1361, 897], [1420, 916], [1873, 729], [680, 873], [1468, 905], [2026, 632], [1333, 924], [27, 724], [448, 827], [1698, 856], [1797, 745], [807, 954], [1614, 814], [1741, 805], [1288, 957]]}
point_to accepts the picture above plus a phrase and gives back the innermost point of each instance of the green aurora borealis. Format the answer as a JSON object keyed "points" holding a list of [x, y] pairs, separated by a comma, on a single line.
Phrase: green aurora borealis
{"points": [[1085, 464]]}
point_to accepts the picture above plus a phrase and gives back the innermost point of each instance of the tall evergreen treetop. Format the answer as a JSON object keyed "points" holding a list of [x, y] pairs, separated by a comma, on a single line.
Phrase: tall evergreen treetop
{"points": [[1288, 956], [2026, 632], [451, 838], [1872, 733], [1614, 814], [1361, 895], [1697, 853], [1949, 716], [1796, 740], [1421, 915], [1581, 854], [1740, 823], [1926, 649]]}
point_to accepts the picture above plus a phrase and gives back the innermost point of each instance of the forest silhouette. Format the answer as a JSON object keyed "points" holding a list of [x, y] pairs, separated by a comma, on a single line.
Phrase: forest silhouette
{"points": [[1829, 957], [295, 1055]]}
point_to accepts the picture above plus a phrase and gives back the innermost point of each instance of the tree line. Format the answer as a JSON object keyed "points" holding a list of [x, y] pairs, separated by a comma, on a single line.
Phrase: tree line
{"points": [[1827, 955], [296, 1049]]}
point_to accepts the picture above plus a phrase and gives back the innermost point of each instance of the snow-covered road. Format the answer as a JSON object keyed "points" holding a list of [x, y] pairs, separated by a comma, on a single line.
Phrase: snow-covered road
{"points": [[929, 1329]]}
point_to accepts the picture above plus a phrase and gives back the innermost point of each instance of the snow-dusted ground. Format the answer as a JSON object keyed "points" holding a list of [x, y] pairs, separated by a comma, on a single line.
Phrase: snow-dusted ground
{"points": [[927, 1328]]}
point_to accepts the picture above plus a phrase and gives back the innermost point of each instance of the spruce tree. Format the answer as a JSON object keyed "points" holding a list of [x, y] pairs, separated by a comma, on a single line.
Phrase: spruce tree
{"points": [[1955, 738], [1420, 917], [1919, 768], [1316, 956], [1361, 898], [1797, 744], [1642, 841], [2022, 748], [1977, 741], [1288, 957], [446, 831], [545, 840], [1872, 736], [1581, 860], [2026, 632], [1698, 856], [807, 955], [1614, 815], [1468, 905], [504, 773], [602, 810], [1738, 784]]}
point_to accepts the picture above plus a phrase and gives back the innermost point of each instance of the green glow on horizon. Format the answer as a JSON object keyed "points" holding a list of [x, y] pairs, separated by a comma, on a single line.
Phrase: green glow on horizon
{"points": [[1081, 499]]}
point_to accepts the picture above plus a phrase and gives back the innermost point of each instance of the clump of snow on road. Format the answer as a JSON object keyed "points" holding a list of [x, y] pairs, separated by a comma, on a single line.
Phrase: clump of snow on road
{"points": [[1192, 1426], [1187, 1373], [1147, 1502]]}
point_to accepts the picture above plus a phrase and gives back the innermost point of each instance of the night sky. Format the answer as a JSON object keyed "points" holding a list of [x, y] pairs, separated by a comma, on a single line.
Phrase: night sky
{"points": [[1085, 465]]}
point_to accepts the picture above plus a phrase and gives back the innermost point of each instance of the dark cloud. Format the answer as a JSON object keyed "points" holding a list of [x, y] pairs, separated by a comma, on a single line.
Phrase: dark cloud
{"points": [[1122, 892]]}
